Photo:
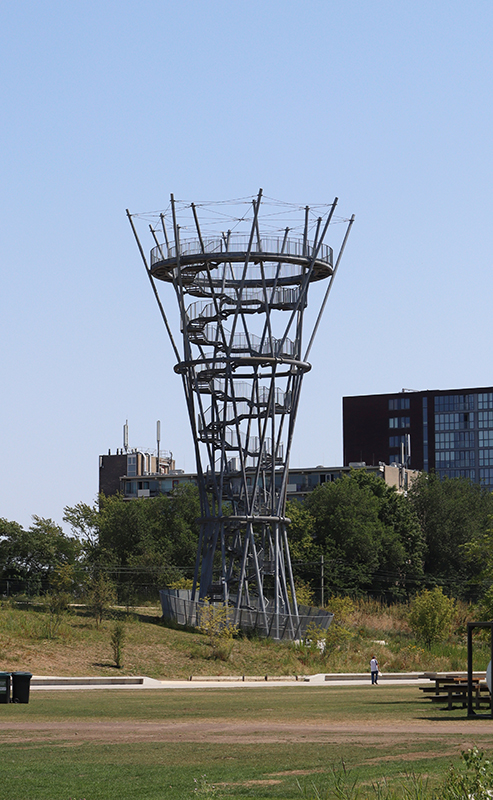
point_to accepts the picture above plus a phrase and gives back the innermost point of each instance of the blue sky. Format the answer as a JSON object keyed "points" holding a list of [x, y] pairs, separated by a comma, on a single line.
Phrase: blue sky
{"points": [[112, 105]]}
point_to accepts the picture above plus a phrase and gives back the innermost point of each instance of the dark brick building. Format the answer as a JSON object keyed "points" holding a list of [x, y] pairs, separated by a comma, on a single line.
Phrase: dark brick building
{"points": [[449, 431], [133, 464]]}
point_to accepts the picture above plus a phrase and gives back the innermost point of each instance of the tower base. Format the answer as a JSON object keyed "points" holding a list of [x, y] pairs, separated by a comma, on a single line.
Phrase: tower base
{"points": [[176, 604]]}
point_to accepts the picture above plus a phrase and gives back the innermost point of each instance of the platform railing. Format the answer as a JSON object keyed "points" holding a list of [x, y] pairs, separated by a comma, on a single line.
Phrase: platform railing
{"points": [[239, 244]]}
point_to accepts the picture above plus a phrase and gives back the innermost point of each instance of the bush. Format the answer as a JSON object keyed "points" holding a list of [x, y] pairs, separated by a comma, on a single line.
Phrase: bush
{"points": [[431, 616], [215, 622], [57, 605], [117, 641], [475, 781], [181, 583], [304, 593], [341, 607]]}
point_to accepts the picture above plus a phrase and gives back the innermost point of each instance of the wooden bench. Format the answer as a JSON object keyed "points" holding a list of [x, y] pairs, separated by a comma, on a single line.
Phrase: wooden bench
{"points": [[452, 689], [453, 694]]}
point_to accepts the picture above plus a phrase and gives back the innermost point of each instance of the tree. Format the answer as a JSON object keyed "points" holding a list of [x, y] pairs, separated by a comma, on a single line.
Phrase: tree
{"points": [[146, 542], [303, 549], [348, 532], [300, 531], [31, 556], [368, 534], [431, 616], [479, 555], [83, 520], [64, 582], [401, 564], [452, 512], [100, 597]]}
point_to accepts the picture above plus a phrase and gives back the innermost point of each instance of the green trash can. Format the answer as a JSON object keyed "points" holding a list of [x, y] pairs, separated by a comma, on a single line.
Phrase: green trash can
{"points": [[4, 687], [21, 683]]}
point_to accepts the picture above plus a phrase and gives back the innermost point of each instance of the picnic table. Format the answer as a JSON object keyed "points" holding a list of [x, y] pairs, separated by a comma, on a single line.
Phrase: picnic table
{"points": [[454, 688]]}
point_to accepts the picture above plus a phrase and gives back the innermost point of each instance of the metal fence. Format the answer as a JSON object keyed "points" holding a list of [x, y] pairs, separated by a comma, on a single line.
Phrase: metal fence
{"points": [[177, 605]]}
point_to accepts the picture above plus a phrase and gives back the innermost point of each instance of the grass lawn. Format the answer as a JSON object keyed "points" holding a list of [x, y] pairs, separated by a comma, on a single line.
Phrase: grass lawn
{"points": [[101, 745]]}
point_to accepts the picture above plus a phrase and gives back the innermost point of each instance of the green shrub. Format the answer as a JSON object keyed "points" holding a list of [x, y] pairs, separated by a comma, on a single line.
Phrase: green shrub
{"points": [[431, 616], [304, 593], [57, 603], [216, 623], [341, 608], [118, 635], [475, 781], [181, 583]]}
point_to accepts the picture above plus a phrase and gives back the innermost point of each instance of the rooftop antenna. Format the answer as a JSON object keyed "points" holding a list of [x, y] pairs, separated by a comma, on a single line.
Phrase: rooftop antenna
{"points": [[125, 436], [158, 437]]}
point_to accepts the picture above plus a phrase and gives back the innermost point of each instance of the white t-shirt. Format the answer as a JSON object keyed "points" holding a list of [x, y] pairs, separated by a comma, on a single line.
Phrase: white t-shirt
{"points": [[374, 665]]}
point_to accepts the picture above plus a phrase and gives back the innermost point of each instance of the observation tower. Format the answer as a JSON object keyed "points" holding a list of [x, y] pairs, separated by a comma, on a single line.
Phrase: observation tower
{"points": [[241, 271]]}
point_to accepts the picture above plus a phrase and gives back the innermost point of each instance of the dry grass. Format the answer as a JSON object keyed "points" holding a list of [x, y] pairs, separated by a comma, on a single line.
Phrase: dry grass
{"points": [[81, 648], [151, 649], [378, 618]]}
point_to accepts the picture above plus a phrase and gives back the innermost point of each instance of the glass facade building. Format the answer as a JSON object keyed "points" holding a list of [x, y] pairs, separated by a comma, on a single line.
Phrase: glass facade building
{"points": [[450, 432]]}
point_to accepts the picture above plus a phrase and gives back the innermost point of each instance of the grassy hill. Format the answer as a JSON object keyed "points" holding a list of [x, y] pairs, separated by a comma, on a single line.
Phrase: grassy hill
{"points": [[29, 640]]}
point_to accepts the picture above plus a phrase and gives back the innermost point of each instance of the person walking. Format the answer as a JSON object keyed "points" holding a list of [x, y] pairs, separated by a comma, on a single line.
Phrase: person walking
{"points": [[374, 670]]}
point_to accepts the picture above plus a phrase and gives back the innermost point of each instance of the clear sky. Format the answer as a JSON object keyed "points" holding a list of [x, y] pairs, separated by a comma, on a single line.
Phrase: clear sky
{"points": [[386, 104]]}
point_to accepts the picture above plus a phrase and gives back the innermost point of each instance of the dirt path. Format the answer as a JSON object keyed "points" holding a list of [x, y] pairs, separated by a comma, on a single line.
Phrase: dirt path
{"points": [[240, 732]]}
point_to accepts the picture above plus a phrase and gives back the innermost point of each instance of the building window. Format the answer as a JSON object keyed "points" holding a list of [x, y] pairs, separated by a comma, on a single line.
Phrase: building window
{"points": [[399, 404], [400, 422], [330, 477], [486, 458], [454, 402], [485, 400], [470, 474], [454, 422], [396, 441], [131, 465], [485, 438], [394, 459], [451, 440], [447, 459], [485, 419]]}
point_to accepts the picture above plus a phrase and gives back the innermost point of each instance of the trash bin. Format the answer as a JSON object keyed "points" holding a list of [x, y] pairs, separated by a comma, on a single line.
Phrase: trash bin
{"points": [[21, 682], [4, 687]]}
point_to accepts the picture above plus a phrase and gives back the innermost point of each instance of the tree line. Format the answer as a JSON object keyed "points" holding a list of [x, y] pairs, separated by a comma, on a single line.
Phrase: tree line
{"points": [[370, 539]]}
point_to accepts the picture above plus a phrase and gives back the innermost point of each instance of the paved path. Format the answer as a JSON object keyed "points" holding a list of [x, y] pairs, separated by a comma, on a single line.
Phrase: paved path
{"points": [[53, 683]]}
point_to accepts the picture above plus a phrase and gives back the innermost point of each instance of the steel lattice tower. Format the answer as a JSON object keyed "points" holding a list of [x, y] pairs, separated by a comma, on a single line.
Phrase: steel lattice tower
{"points": [[242, 298]]}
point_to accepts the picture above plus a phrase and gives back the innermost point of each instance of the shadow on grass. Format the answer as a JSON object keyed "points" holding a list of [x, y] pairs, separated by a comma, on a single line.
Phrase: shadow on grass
{"points": [[25, 605], [462, 718], [394, 703], [119, 614]]}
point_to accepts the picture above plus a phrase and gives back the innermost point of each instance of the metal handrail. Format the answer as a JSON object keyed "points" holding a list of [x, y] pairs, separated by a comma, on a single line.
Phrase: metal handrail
{"points": [[239, 244]]}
